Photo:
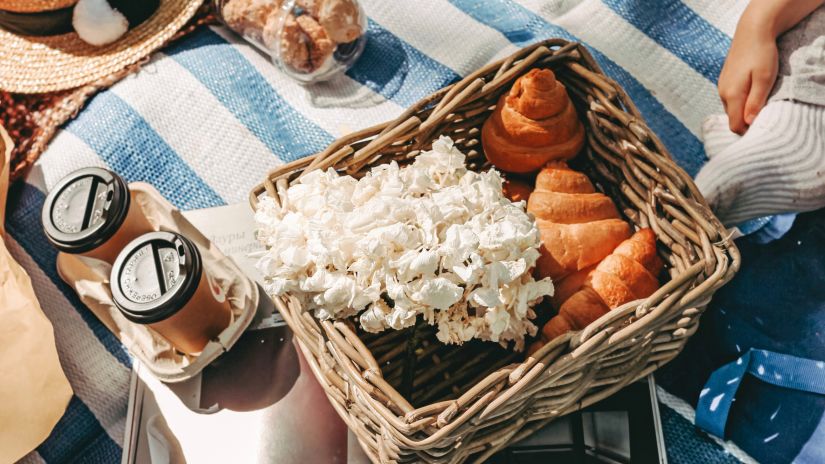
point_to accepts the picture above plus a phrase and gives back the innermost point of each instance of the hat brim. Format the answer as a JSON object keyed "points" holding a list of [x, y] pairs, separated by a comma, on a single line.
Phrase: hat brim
{"points": [[48, 64]]}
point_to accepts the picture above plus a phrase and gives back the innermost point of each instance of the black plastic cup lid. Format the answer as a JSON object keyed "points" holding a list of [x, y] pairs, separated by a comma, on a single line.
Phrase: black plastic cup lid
{"points": [[85, 209], [155, 276]]}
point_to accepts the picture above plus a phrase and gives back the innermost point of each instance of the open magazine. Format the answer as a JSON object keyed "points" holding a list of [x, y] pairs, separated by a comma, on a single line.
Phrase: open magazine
{"points": [[261, 404]]}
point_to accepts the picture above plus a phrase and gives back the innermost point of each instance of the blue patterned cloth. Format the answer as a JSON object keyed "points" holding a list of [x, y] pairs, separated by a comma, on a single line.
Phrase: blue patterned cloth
{"points": [[764, 336], [207, 117]]}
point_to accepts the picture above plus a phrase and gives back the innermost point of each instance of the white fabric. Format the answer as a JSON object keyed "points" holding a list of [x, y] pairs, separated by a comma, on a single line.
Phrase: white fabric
{"points": [[777, 166]]}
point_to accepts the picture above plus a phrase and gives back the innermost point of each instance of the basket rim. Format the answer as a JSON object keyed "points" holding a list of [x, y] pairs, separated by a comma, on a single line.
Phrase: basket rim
{"points": [[686, 291]]}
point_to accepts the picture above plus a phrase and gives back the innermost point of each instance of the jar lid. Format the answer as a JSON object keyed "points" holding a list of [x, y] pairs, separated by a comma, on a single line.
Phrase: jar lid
{"points": [[85, 209], [155, 276]]}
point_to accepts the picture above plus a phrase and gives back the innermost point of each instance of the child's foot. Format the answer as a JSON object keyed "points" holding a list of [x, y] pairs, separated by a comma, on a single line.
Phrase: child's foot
{"points": [[716, 134], [778, 166]]}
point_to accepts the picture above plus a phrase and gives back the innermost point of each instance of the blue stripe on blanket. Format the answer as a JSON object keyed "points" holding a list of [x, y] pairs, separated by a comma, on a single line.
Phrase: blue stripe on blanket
{"points": [[129, 145], [698, 43], [248, 96], [23, 223], [389, 66], [522, 27], [396, 70], [78, 437], [688, 445]]}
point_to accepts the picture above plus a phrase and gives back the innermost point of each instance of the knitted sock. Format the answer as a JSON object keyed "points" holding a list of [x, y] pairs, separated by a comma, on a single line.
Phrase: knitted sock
{"points": [[778, 166], [716, 134]]}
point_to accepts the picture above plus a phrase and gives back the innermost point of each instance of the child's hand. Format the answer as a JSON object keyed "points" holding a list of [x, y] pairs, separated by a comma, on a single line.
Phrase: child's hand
{"points": [[753, 60], [748, 74]]}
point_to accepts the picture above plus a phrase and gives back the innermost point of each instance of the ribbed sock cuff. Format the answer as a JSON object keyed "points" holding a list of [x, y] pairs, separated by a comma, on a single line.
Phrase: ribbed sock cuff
{"points": [[777, 166]]}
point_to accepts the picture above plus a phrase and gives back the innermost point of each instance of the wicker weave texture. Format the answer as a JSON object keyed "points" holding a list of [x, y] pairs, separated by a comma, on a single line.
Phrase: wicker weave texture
{"points": [[34, 6], [410, 399]]}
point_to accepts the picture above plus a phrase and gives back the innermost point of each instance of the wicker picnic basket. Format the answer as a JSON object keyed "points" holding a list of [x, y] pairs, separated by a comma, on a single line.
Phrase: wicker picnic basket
{"points": [[409, 398]]}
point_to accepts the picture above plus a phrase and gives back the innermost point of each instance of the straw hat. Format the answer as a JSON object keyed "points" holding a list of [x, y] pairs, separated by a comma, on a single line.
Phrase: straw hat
{"points": [[47, 63]]}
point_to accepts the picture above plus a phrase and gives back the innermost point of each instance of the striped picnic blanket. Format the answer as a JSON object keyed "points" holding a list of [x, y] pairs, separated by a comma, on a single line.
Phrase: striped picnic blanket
{"points": [[207, 117]]}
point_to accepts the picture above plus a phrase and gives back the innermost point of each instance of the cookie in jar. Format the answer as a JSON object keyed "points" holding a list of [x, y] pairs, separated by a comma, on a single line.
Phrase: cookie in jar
{"points": [[310, 40]]}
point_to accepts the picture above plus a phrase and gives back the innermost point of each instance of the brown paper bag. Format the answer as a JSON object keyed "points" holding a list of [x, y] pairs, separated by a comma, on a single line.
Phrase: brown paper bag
{"points": [[34, 391]]}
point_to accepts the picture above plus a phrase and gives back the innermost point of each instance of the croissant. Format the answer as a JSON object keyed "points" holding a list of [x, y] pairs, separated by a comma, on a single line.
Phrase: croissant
{"points": [[516, 190], [627, 274], [568, 286], [532, 124], [578, 225]]}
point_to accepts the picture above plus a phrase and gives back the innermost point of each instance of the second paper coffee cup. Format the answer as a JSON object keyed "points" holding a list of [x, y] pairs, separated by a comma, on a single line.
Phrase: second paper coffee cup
{"points": [[159, 280]]}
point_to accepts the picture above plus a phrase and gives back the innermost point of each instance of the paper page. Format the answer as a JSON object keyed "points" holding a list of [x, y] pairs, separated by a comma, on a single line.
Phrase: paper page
{"points": [[232, 229], [265, 404]]}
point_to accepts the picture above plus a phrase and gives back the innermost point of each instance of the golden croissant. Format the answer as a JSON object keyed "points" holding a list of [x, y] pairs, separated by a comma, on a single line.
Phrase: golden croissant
{"points": [[629, 273], [535, 122], [578, 225]]}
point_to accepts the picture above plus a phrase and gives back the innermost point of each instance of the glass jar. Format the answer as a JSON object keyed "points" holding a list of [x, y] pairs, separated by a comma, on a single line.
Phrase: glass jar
{"points": [[309, 40]]}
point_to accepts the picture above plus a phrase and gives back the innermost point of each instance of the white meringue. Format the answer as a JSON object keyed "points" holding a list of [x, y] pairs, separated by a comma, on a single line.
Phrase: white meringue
{"points": [[433, 238]]}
